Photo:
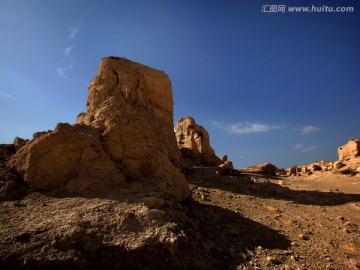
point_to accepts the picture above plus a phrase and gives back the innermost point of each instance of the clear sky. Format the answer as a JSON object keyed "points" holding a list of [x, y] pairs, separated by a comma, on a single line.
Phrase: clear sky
{"points": [[275, 87]]}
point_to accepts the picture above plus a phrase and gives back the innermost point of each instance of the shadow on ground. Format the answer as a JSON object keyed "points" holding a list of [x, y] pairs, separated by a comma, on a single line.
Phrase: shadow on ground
{"points": [[243, 185], [227, 236]]}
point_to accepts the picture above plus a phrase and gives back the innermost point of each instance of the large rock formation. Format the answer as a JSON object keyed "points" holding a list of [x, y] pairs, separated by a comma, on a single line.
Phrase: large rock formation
{"points": [[349, 155], [194, 143], [122, 163], [125, 135], [350, 150]]}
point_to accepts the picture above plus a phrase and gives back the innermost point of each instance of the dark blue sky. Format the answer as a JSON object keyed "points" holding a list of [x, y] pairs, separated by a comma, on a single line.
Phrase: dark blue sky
{"points": [[269, 87]]}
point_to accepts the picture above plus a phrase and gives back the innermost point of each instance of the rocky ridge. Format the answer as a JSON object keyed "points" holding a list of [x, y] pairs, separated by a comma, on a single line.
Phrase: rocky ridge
{"points": [[348, 163]]}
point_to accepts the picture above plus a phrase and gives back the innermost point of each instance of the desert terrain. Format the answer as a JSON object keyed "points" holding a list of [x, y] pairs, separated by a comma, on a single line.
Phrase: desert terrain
{"points": [[305, 223], [119, 189], [245, 222]]}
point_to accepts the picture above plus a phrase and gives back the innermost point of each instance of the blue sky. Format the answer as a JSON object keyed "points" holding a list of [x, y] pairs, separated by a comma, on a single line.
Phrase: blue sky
{"points": [[269, 87]]}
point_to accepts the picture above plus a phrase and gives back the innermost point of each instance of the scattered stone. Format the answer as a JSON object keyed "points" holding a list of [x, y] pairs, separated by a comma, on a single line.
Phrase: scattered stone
{"points": [[273, 260], [304, 237]]}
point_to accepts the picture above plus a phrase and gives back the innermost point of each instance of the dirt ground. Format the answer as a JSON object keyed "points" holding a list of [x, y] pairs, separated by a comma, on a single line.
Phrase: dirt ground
{"points": [[257, 222], [245, 222]]}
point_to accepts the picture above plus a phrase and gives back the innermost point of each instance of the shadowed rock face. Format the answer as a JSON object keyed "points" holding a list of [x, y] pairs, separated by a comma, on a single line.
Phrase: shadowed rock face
{"points": [[126, 134]]}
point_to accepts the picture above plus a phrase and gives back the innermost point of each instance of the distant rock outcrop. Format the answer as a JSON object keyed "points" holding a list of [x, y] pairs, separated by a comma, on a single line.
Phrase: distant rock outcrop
{"points": [[194, 143], [125, 135], [349, 156], [311, 168], [350, 150], [263, 168], [348, 163]]}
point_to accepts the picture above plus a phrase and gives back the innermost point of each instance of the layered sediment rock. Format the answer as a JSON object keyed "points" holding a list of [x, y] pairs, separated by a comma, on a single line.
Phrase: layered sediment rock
{"points": [[125, 135]]}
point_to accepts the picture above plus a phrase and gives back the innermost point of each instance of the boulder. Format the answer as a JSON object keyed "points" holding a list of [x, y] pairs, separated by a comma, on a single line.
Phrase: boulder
{"points": [[263, 168], [292, 171], [338, 164], [194, 143], [314, 167], [70, 158], [125, 135]]}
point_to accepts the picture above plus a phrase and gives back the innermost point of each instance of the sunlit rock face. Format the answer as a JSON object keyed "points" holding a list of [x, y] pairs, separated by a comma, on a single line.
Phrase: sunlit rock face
{"points": [[194, 143], [350, 150], [125, 135]]}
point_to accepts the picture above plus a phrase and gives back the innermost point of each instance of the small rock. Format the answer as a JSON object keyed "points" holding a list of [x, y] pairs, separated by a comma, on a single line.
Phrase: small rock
{"points": [[273, 260], [303, 237]]}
